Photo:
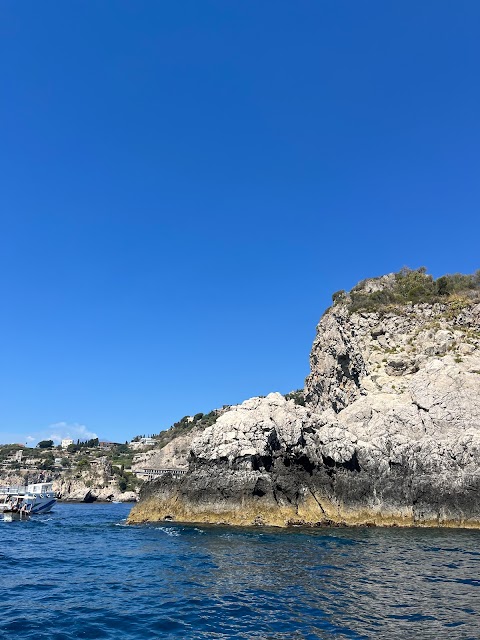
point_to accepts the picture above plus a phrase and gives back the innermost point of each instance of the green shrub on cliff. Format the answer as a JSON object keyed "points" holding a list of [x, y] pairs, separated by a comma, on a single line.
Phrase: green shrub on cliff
{"points": [[297, 396], [47, 463], [128, 481], [412, 286], [338, 296], [415, 285], [186, 424]]}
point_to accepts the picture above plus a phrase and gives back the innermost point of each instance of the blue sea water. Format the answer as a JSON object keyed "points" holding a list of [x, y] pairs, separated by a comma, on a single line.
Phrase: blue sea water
{"points": [[80, 572]]}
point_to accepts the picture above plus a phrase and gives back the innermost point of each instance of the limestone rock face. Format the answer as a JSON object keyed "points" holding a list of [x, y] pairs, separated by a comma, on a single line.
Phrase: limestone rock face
{"points": [[89, 485], [390, 433], [256, 428], [173, 455]]}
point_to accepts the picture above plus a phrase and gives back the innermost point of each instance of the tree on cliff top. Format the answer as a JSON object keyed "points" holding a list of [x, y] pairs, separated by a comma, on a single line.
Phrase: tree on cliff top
{"points": [[45, 444]]}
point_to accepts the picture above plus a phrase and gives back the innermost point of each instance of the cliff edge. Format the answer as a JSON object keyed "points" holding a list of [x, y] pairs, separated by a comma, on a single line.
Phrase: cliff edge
{"points": [[390, 430]]}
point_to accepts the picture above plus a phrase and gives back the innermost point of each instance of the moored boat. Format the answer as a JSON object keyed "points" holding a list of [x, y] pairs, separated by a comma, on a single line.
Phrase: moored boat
{"points": [[32, 499]]}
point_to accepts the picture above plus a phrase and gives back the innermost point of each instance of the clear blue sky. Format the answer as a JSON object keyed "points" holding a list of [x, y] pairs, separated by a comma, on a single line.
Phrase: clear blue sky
{"points": [[184, 185]]}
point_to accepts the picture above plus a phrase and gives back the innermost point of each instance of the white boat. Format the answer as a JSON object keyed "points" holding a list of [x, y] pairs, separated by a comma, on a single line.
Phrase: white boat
{"points": [[34, 498]]}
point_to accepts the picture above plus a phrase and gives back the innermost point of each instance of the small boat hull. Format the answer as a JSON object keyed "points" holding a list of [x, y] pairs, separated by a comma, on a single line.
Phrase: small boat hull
{"points": [[33, 499], [39, 505]]}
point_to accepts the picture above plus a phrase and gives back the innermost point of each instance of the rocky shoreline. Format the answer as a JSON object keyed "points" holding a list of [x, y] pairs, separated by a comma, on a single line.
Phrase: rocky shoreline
{"points": [[83, 487], [297, 477], [389, 434]]}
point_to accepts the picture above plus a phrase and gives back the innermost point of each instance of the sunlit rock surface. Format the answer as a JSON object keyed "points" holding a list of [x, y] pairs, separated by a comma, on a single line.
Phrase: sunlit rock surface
{"points": [[390, 434]]}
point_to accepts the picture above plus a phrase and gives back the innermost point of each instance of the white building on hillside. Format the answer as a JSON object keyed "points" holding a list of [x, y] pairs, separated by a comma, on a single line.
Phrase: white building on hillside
{"points": [[66, 442], [141, 443]]}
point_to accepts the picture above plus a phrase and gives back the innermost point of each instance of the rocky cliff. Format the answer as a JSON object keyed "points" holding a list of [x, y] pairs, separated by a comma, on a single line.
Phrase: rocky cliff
{"points": [[90, 485], [174, 455], [389, 435]]}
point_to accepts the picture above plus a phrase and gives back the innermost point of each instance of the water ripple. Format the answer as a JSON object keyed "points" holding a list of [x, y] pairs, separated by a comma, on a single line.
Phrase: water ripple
{"points": [[80, 572]]}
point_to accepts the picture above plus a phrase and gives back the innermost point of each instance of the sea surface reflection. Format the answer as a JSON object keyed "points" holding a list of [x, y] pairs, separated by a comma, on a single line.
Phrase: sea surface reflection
{"points": [[80, 572]]}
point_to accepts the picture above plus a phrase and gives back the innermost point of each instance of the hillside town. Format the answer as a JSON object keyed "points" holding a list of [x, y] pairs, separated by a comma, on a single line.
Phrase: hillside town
{"points": [[84, 471], [94, 469]]}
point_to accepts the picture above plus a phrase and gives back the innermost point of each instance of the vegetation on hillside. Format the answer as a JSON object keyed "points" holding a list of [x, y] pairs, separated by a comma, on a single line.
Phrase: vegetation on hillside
{"points": [[45, 444], [121, 455], [82, 444], [7, 450], [78, 459], [126, 480], [188, 423], [412, 286]]}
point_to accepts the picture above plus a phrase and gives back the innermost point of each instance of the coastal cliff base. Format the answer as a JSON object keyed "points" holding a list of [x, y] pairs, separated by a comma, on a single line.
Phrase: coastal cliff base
{"points": [[289, 497]]}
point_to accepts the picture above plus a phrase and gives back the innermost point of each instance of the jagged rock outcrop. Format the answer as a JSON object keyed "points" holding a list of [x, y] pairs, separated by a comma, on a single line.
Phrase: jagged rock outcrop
{"points": [[390, 433]]}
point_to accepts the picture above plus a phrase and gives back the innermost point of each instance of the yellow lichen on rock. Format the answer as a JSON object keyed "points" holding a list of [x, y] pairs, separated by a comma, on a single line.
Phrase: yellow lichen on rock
{"points": [[310, 513]]}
